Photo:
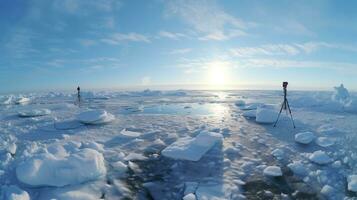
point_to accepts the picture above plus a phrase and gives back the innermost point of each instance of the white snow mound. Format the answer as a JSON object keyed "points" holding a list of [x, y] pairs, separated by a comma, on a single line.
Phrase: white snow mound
{"points": [[320, 157], [298, 168], [266, 115], [63, 169], [95, 117], [34, 113], [304, 137], [192, 148], [273, 171]]}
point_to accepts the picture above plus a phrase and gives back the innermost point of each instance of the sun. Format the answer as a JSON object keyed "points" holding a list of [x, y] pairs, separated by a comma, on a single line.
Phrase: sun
{"points": [[217, 74]]}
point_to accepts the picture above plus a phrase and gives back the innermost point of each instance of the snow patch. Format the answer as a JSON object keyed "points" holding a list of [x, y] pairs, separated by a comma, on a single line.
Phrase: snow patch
{"points": [[13, 192], [352, 183]]}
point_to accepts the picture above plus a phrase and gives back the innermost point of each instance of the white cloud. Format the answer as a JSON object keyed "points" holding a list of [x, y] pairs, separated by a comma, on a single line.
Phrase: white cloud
{"points": [[207, 18], [288, 49], [171, 35], [117, 38]]}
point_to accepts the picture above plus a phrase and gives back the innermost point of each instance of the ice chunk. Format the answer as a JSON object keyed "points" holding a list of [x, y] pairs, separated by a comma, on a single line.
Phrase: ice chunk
{"points": [[328, 191], [251, 106], [320, 157], [341, 94], [22, 100], [120, 167], [266, 115], [47, 169], [240, 103], [298, 168], [273, 171], [304, 137], [325, 141], [192, 148], [34, 113], [135, 156], [250, 113], [278, 153], [129, 134], [189, 197], [352, 183], [13, 192], [12, 148], [95, 117], [217, 192]]}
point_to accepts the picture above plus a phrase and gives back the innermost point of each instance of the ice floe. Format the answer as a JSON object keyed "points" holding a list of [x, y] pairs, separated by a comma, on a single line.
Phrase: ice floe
{"points": [[304, 137], [298, 168], [266, 115], [273, 171], [352, 183], [95, 117], [325, 141], [250, 113], [22, 100], [34, 113], [193, 149], [129, 134], [320, 157], [60, 169]]}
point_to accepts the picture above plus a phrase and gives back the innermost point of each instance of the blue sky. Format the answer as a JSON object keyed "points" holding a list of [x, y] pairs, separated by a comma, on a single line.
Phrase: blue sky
{"points": [[59, 44]]}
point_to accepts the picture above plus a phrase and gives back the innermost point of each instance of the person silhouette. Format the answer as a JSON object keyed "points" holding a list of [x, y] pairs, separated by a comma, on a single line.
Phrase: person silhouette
{"points": [[79, 94]]}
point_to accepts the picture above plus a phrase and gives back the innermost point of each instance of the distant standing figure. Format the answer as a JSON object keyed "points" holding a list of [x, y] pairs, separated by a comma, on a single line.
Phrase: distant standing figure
{"points": [[79, 94]]}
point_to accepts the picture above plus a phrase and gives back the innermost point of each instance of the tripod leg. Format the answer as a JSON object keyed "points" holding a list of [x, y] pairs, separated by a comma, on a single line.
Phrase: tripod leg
{"points": [[282, 105], [292, 119]]}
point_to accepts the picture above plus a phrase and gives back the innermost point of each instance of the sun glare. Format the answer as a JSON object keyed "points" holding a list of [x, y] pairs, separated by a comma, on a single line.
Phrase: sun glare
{"points": [[217, 75]]}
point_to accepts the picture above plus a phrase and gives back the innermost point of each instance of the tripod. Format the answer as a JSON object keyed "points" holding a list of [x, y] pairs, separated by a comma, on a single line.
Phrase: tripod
{"points": [[285, 105]]}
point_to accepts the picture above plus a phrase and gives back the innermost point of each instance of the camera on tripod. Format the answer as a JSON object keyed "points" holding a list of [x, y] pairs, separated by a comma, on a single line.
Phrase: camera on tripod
{"points": [[285, 105], [285, 84]]}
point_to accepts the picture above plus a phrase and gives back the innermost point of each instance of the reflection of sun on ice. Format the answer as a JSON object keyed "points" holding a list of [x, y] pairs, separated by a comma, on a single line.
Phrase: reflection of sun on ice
{"points": [[217, 75]]}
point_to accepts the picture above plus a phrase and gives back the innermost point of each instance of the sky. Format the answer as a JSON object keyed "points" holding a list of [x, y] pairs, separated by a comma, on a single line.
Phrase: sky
{"points": [[226, 44]]}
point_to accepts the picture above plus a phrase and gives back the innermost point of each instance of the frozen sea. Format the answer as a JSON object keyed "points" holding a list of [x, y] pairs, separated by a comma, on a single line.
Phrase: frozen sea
{"points": [[204, 145]]}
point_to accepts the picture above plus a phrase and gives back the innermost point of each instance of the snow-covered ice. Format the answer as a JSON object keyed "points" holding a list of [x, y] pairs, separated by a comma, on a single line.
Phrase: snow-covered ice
{"points": [[304, 137], [266, 115], [273, 171], [179, 145], [34, 113], [192, 148], [95, 117], [47, 169], [320, 157], [352, 183]]}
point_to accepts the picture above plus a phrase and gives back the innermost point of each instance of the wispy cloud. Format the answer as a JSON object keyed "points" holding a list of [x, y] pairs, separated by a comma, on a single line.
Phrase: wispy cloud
{"points": [[117, 38], [181, 51], [172, 35], [207, 18], [288, 49]]}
